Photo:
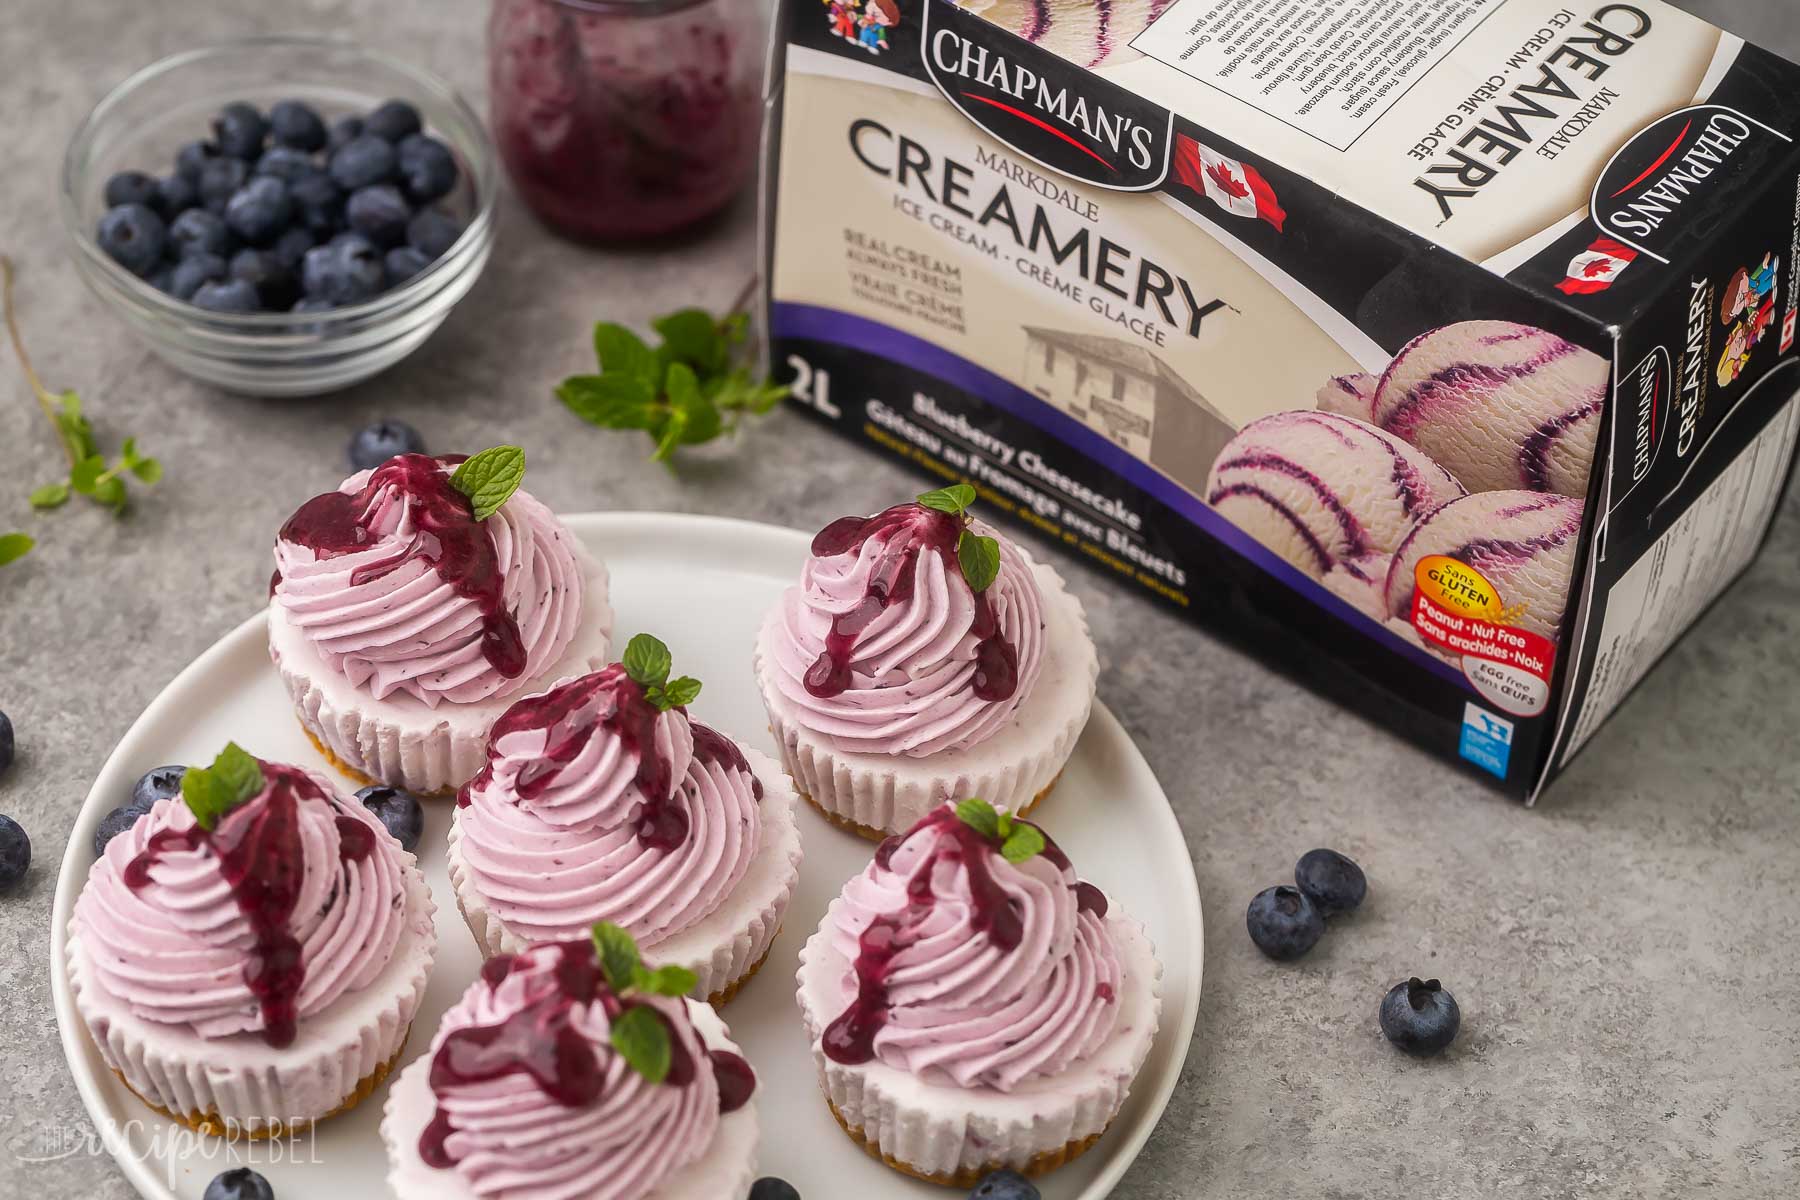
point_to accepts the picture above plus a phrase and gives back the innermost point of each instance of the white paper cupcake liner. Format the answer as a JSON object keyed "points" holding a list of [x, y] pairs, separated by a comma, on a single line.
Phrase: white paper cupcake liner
{"points": [[954, 1136], [244, 1086], [877, 795], [728, 944], [725, 1171], [399, 740]]}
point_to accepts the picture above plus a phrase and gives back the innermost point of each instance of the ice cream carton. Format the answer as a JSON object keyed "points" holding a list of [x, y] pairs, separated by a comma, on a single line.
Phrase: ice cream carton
{"points": [[1442, 350]]}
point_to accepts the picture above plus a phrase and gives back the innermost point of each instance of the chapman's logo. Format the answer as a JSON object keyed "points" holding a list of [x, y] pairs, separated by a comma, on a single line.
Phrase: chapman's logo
{"points": [[1642, 402], [1677, 175], [1041, 105]]}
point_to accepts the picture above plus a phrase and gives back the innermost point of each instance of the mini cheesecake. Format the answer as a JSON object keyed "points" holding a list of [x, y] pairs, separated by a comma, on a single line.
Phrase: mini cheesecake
{"points": [[403, 624]]}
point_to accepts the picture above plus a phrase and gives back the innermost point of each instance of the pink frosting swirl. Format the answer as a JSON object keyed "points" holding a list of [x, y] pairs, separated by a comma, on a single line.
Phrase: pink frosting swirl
{"points": [[533, 1103], [401, 591], [193, 929], [595, 807], [888, 601], [968, 969]]}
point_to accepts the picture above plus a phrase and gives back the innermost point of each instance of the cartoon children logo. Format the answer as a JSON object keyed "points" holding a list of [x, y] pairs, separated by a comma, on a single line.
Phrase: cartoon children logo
{"points": [[863, 22], [1748, 306]]}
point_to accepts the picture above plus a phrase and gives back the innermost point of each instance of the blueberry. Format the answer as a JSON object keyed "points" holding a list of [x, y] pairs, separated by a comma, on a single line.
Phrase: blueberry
{"points": [[197, 231], [397, 810], [134, 237], [343, 130], [771, 1188], [175, 194], [240, 129], [192, 158], [260, 210], [402, 263], [1004, 1185], [431, 233], [292, 246], [296, 123], [194, 270], [1283, 923], [393, 120], [285, 163], [379, 213], [15, 852], [346, 271], [381, 441], [318, 203], [1332, 882], [1420, 1017], [426, 167], [130, 187], [228, 296], [239, 1183], [119, 820], [6, 741], [359, 163], [273, 280], [163, 783], [219, 181]]}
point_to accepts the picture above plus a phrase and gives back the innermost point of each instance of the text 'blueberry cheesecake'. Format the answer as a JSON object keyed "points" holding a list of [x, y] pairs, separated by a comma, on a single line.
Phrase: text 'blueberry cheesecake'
{"points": [[249, 955], [413, 604], [602, 799], [924, 657], [573, 1071], [972, 1004]]}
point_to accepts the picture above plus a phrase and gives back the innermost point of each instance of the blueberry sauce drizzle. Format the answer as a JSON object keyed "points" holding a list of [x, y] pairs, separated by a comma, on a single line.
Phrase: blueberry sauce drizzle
{"points": [[996, 674], [264, 868], [540, 1040], [448, 537], [618, 705], [850, 1039]]}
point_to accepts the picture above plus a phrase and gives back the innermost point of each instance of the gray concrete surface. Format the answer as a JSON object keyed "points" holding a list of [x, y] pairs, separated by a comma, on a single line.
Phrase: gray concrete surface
{"points": [[1624, 955]]}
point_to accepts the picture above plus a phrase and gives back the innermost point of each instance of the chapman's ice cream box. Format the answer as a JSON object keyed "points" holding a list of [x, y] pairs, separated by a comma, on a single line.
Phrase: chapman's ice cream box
{"points": [[1439, 349]]}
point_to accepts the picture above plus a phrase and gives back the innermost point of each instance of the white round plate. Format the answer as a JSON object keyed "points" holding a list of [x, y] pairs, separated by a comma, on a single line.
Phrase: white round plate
{"points": [[701, 584]]}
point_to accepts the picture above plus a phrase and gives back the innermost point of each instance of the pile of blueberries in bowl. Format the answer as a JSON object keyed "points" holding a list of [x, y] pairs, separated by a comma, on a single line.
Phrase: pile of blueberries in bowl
{"points": [[276, 212], [281, 216]]}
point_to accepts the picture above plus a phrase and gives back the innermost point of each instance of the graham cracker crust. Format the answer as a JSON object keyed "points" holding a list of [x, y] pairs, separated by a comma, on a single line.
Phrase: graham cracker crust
{"points": [[361, 778], [723, 996], [1041, 1164], [210, 1122], [870, 833]]}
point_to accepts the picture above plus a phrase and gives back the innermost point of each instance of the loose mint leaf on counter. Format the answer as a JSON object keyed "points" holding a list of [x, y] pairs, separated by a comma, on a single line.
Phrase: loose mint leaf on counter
{"points": [[980, 816], [14, 546], [954, 499], [980, 559], [51, 495], [211, 792], [647, 661], [642, 1040], [490, 478], [687, 390], [618, 956]]}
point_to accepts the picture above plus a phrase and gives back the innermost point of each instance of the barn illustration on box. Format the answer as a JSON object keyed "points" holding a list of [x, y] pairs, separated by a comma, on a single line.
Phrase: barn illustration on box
{"points": [[1128, 395]]}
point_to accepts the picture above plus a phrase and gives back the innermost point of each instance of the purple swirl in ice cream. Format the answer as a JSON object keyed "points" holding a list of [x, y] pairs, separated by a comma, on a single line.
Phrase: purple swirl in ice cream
{"points": [[533, 1102], [1320, 489], [295, 898], [1524, 543], [595, 806], [398, 586], [885, 648], [1089, 33], [969, 969], [1503, 407]]}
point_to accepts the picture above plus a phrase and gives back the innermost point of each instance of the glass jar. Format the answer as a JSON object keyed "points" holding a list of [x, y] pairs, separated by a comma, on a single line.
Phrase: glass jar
{"points": [[621, 119]]}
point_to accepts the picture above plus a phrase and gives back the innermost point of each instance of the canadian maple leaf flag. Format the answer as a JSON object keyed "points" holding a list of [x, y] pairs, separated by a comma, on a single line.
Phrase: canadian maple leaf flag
{"points": [[1236, 187], [1594, 269]]}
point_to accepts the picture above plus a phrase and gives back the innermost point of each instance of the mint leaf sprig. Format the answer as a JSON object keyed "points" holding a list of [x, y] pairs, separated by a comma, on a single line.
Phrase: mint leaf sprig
{"points": [[1019, 840], [14, 546], [89, 474], [695, 385], [211, 792], [638, 1033], [648, 662], [979, 556], [490, 478]]}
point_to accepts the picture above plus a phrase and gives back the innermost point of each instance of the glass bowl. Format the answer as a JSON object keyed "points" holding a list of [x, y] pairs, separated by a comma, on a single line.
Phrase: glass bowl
{"points": [[143, 121]]}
